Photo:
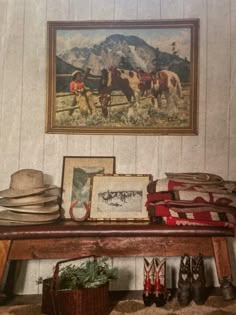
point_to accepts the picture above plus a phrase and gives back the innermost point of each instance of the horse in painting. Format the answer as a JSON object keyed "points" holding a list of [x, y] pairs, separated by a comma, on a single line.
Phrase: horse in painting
{"points": [[112, 80], [168, 83]]}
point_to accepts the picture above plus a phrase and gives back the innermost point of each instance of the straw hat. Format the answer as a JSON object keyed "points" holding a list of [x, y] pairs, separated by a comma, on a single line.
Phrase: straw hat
{"points": [[25, 217], [26, 182], [30, 200], [17, 223], [37, 209]]}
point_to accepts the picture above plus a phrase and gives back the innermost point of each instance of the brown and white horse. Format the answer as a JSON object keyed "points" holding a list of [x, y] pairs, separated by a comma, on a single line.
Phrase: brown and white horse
{"points": [[168, 83], [112, 80]]}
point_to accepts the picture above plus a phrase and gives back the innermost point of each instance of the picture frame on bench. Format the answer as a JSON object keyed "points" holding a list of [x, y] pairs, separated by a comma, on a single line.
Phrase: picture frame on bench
{"points": [[76, 179], [119, 197]]}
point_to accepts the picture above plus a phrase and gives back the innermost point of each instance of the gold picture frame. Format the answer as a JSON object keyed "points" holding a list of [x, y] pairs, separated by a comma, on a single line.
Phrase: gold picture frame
{"points": [[123, 77], [77, 174], [119, 197]]}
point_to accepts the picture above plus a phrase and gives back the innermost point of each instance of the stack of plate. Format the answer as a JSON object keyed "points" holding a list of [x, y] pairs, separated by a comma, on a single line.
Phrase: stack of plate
{"points": [[27, 201]]}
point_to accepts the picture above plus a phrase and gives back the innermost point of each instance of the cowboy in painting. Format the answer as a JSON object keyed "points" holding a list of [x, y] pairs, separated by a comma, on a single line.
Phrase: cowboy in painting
{"points": [[82, 96]]}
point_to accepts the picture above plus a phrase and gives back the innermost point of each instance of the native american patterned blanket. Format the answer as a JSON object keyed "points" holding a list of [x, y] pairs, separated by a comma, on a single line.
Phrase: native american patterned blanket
{"points": [[192, 203], [226, 187], [191, 213]]}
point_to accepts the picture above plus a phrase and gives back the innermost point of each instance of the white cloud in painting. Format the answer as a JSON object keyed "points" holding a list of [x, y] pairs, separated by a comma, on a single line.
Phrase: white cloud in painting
{"points": [[181, 40]]}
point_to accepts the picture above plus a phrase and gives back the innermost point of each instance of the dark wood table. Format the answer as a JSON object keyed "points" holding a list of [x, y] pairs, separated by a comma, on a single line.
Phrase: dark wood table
{"points": [[68, 239]]}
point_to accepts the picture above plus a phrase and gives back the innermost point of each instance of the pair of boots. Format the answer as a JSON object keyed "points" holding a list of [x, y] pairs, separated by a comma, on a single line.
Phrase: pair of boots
{"points": [[191, 282], [155, 290]]}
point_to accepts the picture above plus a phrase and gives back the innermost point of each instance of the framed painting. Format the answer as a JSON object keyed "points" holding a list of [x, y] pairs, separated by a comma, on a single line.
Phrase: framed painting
{"points": [[123, 77], [119, 197], [76, 179]]}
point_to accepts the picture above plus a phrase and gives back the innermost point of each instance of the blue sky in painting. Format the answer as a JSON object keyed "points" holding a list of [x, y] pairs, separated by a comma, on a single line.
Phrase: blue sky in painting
{"points": [[158, 38]]}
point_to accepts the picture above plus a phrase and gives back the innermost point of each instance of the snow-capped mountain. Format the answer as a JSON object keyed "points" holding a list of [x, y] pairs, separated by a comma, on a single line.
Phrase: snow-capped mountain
{"points": [[130, 52], [127, 52]]}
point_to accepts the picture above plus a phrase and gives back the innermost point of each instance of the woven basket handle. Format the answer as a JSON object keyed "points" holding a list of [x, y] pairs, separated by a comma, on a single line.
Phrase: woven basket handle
{"points": [[57, 269]]}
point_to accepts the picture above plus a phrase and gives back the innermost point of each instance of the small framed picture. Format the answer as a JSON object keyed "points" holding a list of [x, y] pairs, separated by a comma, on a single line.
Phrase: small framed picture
{"points": [[76, 179], [119, 197]]}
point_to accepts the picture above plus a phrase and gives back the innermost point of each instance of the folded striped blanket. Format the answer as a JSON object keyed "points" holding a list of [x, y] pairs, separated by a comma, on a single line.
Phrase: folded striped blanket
{"points": [[192, 208], [164, 184], [192, 222], [192, 199], [194, 196]]}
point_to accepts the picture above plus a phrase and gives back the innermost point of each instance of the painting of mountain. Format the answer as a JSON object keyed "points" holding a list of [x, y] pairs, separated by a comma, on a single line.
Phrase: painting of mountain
{"points": [[137, 79], [128, 52]]}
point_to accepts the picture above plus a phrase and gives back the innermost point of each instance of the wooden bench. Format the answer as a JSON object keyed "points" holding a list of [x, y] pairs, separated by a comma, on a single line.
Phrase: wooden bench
{"points": [[68, 239]]}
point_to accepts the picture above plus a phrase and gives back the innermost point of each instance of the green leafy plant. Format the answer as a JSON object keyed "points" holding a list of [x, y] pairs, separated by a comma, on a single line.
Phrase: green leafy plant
{"points": [[91, 274]]}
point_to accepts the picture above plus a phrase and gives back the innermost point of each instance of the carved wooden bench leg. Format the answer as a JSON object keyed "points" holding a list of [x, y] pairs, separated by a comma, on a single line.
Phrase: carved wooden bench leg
{"points": [[4, 251], [223, 267]]}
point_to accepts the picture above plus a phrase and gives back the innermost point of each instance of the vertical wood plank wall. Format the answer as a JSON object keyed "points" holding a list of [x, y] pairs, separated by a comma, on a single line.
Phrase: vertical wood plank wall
{"points": [[24, 143]]}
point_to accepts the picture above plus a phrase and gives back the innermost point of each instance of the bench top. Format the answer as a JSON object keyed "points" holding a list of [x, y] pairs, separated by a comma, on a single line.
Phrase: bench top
{"points": [[68, 228]]}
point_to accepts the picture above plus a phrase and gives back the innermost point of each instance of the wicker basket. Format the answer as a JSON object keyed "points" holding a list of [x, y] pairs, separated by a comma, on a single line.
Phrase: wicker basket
{"points": [[85, 301]]}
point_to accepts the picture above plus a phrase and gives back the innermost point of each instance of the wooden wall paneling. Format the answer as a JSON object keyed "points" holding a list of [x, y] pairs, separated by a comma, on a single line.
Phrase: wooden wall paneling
{"points": [[193, 148], [79, 145], [11, 51], [217, 120], [46, 269], [102, 145], [147, 146], [34, 68], [125, 10], [232, 124], [150, 11], [26, 275], [3, 45], [232, 120], [126, 274], [147, 155], [125, 152], [80, 10], [103, 9], [32, 117], [55, 145], [171, 9], [11, 64], [58, 10], [170, 146], [217, 116]]}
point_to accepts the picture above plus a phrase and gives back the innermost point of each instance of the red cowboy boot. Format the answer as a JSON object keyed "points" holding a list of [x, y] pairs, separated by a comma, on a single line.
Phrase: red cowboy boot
{"points": [[148, 277], [160, 292]]}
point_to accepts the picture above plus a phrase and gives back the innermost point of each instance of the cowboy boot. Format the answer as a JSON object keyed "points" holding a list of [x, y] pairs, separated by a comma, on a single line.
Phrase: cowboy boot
{"points": [[198, 280], [227, 289], [184, 282], [148, 276], [160, 293]]}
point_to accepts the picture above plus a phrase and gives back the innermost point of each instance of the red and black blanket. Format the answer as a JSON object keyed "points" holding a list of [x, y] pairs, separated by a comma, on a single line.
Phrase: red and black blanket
{"points": [[192, 203]]}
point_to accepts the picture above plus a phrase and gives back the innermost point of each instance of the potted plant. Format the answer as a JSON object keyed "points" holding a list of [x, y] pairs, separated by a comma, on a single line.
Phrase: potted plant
{"points": [[78, 290]]}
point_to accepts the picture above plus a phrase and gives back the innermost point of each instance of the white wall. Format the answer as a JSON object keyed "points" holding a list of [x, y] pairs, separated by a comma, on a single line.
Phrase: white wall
{"points": [[24, 143]]}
